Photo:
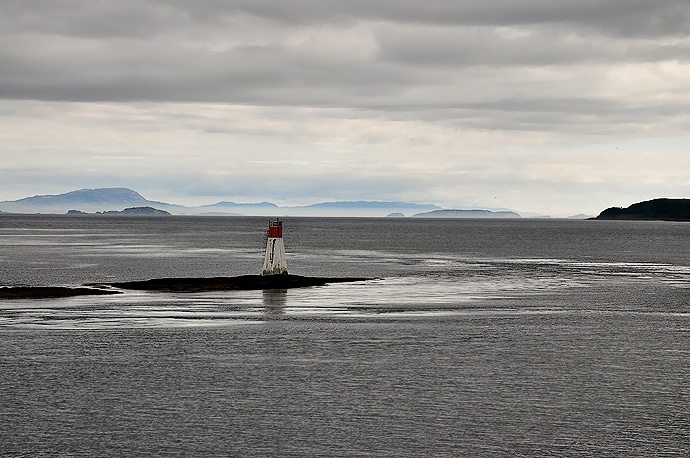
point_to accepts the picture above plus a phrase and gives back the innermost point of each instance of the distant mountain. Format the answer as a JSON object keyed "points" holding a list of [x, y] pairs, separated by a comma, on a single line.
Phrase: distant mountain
{"points": [[119, 199], [358, 208], [368, 204], [651, 210], [338, 208], [467, 214], [260, 208], [86, 200]]}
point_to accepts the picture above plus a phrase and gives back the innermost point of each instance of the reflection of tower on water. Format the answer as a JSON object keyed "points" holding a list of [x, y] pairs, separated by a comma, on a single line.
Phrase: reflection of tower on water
{"points": [[274, 260], [275, 301]]}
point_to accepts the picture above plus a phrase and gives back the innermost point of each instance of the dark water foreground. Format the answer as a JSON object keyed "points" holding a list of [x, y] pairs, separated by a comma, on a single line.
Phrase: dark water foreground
{"points": [[478, 339], [511, 384]]}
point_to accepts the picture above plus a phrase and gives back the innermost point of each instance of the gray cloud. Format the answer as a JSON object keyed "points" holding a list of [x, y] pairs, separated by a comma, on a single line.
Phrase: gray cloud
{"points": [[149, 17], [417, 93], [312, 52]]}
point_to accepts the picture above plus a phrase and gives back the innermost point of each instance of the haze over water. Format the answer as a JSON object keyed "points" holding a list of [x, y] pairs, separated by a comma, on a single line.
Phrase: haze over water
{"points": [[475, 338]]}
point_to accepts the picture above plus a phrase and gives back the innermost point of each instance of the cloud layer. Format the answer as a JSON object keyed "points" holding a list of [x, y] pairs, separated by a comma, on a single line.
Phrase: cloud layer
{"points": [[542, 105]]}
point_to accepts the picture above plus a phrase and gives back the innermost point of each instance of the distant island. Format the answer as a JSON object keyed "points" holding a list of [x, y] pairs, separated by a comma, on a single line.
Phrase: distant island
{"points": [[650, 210], [132, 211]]}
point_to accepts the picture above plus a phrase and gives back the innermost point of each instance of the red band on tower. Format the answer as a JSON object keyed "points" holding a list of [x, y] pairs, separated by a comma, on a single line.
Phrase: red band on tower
{"points": [[275, 232]]}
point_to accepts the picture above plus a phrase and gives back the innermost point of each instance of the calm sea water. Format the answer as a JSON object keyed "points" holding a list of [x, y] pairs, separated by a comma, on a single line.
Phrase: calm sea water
{"points": [[476, 338]]}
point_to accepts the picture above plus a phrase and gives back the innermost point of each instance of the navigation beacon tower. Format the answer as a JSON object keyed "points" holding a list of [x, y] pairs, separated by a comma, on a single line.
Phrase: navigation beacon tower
{"points": [[274, 261]]}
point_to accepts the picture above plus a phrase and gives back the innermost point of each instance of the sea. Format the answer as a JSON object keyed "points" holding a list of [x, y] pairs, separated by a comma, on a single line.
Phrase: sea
{"points": [[477, 338]]}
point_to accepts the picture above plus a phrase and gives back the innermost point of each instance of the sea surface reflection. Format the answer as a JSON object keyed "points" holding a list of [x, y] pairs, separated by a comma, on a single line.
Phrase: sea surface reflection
{"points": [[473, 338]]}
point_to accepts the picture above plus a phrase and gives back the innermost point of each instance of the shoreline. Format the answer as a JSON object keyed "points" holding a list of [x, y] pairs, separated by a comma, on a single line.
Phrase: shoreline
{"points": [[177, 285], [242, 282], [51, 292]]}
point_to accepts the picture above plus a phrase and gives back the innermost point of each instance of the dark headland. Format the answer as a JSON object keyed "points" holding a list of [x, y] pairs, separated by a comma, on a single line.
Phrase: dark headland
{"points": [[651, 210]]}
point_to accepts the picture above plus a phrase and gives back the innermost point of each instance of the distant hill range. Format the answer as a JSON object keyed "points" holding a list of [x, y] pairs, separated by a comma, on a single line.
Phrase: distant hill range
{"points": [[342, 208], [651, 210], [86, 200], [105, 200], [467, 214]]}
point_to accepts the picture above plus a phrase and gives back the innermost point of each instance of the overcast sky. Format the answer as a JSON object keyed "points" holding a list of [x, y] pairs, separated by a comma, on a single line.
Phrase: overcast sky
{"points": [[549, 106]]}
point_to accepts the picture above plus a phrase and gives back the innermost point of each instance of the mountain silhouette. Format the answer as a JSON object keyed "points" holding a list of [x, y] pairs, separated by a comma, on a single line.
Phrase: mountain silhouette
{"points": [[117, 199], [87, 200]]}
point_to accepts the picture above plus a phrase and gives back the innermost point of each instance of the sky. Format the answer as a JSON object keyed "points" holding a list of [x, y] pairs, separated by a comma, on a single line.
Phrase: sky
{"points": [[545, 106]]}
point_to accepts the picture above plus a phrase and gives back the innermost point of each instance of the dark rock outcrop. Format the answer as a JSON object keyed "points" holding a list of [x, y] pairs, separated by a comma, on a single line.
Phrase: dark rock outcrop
{"points": [[178, 285], [651, 210], [242, 282], [47, 292]]}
